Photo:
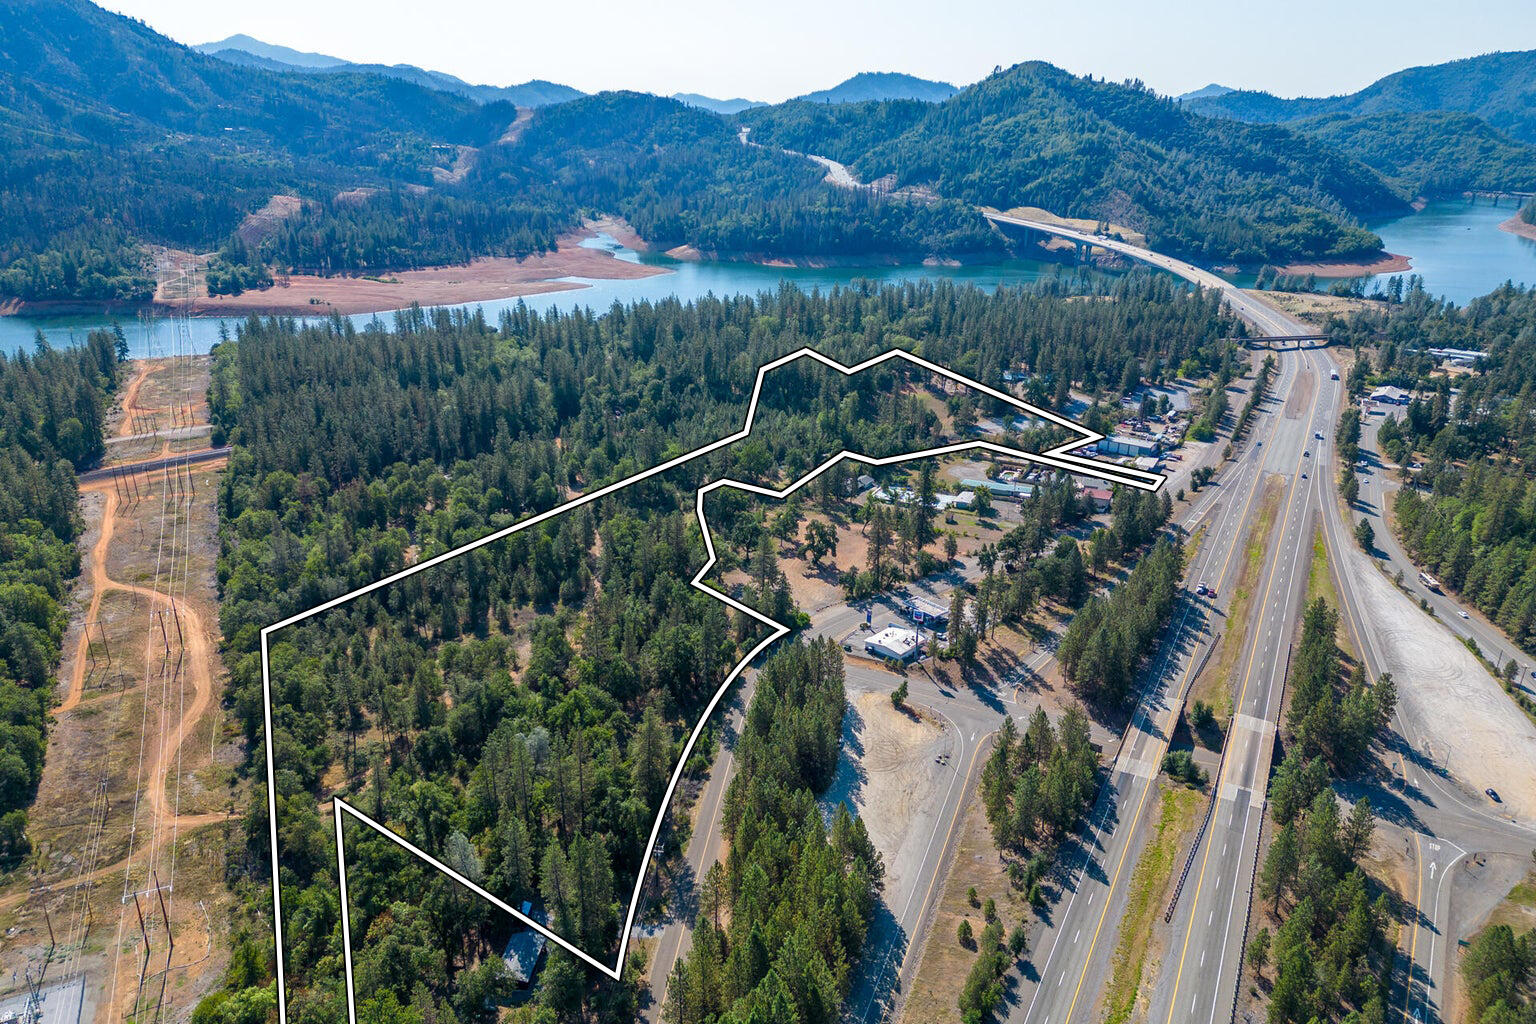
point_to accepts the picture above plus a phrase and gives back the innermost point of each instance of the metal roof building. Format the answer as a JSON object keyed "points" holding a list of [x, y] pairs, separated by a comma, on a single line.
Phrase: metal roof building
{"points": [[893, 642]]}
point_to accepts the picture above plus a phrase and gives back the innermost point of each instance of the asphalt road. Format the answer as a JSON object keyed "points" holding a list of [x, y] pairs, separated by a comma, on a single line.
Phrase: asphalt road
{"points": [[1445, 822], [1075, 950], [1208, 929], [1198, 982], [154, 465], [1378, 485]]}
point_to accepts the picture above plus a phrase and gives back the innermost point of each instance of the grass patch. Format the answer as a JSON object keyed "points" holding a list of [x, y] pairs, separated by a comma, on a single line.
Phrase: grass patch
{"points": [[1214, 684], [1320, 583], [945, 963], [1518, 909], [1149, 892]]}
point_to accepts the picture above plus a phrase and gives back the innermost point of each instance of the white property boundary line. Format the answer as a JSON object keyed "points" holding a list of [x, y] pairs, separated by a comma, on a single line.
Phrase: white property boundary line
{"points": [[1057, 457]]}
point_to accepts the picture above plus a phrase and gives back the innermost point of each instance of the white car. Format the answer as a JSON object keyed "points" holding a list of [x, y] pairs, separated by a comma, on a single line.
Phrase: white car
{"points": [[1462, 614]]}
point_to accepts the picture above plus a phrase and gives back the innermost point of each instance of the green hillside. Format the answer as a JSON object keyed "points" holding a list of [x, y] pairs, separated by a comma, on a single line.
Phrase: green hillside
{"points": [[1035, 135], [1431, 154], [114, 137], [1500, 88]]}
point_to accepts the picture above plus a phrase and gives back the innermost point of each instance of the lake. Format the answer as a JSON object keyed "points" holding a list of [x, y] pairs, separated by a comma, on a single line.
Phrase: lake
{"points": [[1456, 247], [688, 280]]}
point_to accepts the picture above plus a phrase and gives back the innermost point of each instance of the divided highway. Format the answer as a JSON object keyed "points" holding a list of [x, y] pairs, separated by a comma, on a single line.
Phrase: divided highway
{"points": [[1447, 823]]}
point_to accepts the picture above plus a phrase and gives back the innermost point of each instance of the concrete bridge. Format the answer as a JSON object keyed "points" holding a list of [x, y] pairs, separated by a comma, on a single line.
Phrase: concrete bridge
{"points": [[1280, 342]]}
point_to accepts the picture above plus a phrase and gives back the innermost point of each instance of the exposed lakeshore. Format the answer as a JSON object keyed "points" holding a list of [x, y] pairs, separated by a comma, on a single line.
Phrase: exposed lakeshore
{"points": [[484, 279], [1386, 263], [1516, 226]]}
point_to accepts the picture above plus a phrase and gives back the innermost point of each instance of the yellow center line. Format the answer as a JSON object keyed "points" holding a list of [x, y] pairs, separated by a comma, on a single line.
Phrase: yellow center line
{"points": [[1253, 654], [1352, 625], [1413, 946], [1136, 815]]}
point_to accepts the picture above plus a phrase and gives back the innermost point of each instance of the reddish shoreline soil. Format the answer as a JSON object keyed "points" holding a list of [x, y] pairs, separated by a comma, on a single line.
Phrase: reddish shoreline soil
{"points": [[1516, 226], [482, 280], [1386, 263]]}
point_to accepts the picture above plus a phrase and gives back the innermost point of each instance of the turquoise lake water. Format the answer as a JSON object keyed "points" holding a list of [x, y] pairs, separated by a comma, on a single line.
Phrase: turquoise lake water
{"points": [[1456, 247], [1459, 250], [686, 280]]}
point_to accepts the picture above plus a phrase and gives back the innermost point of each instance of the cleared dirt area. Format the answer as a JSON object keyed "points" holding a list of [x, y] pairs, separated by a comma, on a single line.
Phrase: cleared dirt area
{"points": [[264, 222], [935, 992], [1383, 263], [1516, 226], [1460, 719], [483, 280], [1036, 213], [1314, 307], [136, 770], [891, 779]]}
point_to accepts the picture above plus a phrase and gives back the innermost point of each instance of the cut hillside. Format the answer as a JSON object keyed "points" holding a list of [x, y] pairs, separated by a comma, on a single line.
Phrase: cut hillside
{"points": [[1034, 135]]}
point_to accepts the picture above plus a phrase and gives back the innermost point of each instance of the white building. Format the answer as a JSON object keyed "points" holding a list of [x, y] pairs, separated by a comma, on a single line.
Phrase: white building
{"points": [[893, 642], [963, 501]]}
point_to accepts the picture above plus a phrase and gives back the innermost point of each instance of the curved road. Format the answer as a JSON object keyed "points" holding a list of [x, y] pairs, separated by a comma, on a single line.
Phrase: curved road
{"points": [[1451, 823]]}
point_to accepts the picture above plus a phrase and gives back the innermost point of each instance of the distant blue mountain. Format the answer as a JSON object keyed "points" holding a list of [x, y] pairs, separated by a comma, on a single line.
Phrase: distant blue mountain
{"points": [[248, 52], [1209, 92], [734, 106], [270, 52], [882, 85]]}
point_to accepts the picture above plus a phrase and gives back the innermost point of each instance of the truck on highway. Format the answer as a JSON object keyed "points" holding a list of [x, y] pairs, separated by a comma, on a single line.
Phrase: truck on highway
{"points": [[1429, 581]]}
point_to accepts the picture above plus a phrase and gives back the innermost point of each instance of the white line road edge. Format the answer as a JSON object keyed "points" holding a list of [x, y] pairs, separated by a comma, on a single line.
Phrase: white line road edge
{"points": [[1058, 457]]}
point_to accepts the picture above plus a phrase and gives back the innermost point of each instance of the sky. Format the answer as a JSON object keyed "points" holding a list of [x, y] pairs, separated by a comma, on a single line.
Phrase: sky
{"points": [[771, 51]]}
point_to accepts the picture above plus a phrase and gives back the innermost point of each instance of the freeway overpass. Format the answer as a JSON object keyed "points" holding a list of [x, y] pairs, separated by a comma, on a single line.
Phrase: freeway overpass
{"points": [[1443, 819]]}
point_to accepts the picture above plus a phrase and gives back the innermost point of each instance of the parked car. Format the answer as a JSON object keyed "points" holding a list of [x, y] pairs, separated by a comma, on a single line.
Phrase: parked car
{"points": [[1493, 795]]}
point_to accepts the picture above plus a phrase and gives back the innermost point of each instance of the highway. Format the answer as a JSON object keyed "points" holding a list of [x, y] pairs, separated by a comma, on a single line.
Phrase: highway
{"points": [[1210, 924], [1445, 821], [1075, 949]]}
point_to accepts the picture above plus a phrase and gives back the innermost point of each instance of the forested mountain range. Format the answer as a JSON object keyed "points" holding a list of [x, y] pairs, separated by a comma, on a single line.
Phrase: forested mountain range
{"points": [[881, 85], [113, 135], [1034, 135], [115, 138], [1500, 88], [244, 51], [1431, 154]]}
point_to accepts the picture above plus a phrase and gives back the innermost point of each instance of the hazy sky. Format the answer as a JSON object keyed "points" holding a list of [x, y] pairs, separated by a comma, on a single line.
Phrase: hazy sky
{"points": [[772, 50]]}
